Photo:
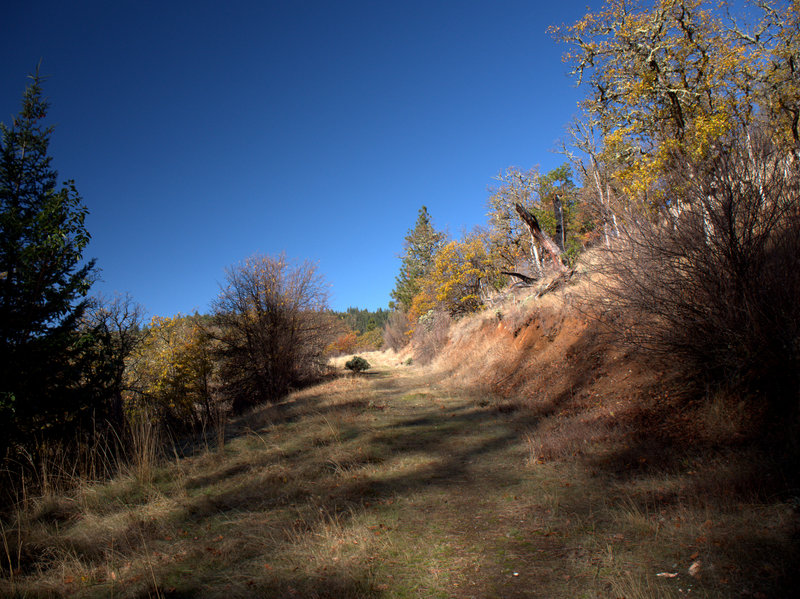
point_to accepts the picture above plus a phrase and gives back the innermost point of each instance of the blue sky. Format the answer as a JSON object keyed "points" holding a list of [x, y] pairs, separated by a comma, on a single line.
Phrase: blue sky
{"points": [[200, 133]]}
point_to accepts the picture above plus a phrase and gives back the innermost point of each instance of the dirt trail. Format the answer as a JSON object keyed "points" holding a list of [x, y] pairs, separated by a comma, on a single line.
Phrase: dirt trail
{"points": [[482, 517]]}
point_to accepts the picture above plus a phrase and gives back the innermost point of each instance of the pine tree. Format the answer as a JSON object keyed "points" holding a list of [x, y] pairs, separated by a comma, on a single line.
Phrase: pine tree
{"points": [[421, 245], [43, 280]]}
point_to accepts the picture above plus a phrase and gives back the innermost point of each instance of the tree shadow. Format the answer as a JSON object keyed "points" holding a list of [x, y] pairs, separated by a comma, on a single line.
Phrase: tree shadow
{"points": [[438, 445]]}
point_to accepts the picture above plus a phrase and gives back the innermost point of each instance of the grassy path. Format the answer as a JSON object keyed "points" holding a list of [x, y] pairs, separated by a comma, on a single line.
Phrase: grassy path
{"points": [[383, 485]]}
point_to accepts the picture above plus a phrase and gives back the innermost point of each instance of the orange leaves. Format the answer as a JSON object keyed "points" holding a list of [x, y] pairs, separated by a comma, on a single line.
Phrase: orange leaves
{"points": [[344, 344]]}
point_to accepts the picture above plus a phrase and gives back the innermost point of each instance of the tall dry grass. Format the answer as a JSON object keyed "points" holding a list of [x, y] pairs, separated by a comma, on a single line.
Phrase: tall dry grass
{"points": [[145, 438]]}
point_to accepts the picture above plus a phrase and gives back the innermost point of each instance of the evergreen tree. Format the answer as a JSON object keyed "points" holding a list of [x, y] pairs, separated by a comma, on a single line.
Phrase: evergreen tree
{"points": [[421, 245], [43, 281]]}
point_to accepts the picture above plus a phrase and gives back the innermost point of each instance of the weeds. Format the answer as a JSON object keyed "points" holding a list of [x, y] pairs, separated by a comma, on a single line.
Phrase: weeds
{"points": [[430, 336], [12, 546], [145, 446]]}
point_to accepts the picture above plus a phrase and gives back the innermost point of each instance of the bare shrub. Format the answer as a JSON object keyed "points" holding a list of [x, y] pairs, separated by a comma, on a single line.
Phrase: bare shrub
{"points": [[714, 280], [395, 331], [272, 325], [430, 335]]}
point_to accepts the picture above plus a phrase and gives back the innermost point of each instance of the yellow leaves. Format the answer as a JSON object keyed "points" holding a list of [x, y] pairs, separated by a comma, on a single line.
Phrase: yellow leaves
{"points": [[708, 129], [666, 75], [454, 281], [169, 366]]}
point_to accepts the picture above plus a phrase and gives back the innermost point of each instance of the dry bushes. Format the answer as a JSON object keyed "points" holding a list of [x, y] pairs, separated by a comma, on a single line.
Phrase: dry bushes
{"points": [[714, 282], [395, 331], [272, 328], [430, 335]]}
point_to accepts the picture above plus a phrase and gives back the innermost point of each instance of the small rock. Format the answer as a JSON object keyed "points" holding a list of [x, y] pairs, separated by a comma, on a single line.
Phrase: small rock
{"points": [[694, 569]]}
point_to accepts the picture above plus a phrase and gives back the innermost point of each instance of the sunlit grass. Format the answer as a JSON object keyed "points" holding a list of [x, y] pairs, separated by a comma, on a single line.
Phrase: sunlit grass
{"points": [[397, 486]]}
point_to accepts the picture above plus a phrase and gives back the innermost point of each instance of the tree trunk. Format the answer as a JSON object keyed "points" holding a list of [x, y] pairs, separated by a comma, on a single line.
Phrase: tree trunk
{"points": [[543, 238], [537, 264], [524, 278], [561, 232]]}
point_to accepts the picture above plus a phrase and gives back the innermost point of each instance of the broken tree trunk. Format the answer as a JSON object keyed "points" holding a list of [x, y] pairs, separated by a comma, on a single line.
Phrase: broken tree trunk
{"points": [[543, 238]]}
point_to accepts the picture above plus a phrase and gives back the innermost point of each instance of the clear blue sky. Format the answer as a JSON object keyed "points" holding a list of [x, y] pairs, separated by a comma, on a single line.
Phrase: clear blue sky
{"points": [[199, 133]]}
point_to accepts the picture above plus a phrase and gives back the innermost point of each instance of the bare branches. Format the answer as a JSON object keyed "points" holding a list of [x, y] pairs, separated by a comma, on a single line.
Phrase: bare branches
{"points": [[272, 323], [715, 285]]}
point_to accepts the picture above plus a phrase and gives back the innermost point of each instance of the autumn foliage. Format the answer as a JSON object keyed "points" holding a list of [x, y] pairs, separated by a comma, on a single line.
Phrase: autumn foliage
{"points": [[168, 376], [455, 281]]}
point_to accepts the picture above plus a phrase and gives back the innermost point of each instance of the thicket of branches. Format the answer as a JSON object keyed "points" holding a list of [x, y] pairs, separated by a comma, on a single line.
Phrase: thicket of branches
{"points": [[689, 142], [713, 281], [272, 326]]}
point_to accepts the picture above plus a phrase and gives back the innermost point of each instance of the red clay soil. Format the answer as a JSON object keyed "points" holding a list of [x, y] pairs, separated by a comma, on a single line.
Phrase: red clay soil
{"points": [[558, 362]]}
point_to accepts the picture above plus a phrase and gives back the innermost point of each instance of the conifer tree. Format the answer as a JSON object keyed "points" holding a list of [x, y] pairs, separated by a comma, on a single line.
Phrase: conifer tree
{"points": [[43, 279], [421, 245]]}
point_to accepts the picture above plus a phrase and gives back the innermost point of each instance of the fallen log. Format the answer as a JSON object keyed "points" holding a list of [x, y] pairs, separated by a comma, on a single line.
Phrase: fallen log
{"points": [[524, 278]]}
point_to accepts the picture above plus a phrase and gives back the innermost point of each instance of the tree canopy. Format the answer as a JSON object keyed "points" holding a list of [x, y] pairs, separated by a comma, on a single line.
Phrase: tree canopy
{"points": [[676, 79]]}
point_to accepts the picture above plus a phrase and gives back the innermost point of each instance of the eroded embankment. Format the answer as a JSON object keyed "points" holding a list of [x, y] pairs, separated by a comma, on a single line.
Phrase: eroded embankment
{"points": [[551, 356], [555, 358]]}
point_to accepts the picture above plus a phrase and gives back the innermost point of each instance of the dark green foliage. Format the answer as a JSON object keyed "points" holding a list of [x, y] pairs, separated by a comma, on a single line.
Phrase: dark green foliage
{"points": [[362, 321], [421, 245], [558, 194], [45, 358], [556, 203], [357, 364]]}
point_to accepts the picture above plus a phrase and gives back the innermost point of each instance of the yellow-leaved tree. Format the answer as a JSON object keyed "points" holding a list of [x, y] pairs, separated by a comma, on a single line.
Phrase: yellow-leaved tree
{"points": [[690, 141], [675, 81], [169, 373], [456, 283]]}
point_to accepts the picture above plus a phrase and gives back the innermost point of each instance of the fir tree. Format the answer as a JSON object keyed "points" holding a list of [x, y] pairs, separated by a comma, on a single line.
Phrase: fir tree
{"points": [[43, 280], [421, 245]]}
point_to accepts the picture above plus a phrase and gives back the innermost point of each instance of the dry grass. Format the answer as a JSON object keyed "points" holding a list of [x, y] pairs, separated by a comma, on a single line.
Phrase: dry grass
{"points": [[379, 360], [539, 464]]}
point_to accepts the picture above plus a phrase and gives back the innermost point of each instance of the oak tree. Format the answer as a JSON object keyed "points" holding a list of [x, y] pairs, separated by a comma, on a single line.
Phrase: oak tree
{"points": [[675, 82], [456, 282]]}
